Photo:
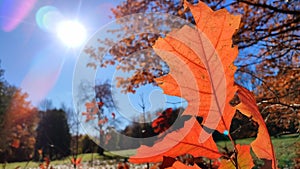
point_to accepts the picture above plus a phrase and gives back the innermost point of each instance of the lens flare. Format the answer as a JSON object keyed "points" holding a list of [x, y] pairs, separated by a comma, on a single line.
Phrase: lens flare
{"points": [[43, 74], [13, 12], [47, 18]]}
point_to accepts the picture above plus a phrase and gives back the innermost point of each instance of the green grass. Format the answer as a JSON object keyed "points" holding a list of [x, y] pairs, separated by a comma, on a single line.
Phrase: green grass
{"points": [[285, 150], [18, 164], [123, 153]]}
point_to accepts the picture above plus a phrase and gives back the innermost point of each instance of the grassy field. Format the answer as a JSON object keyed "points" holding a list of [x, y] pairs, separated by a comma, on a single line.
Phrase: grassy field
{"points": [[286, 148]]}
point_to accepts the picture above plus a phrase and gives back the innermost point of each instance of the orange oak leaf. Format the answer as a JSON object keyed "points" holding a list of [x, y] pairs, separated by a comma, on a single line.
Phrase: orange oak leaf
{"points": [[201, 65], [244, 159], [176, 143], [262, 145], [179, 165]]}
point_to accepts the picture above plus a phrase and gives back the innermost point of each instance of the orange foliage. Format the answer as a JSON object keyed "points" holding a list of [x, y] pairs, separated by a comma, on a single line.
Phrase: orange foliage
{"points": [[162, 123], [15, 143], [244, 159], [76, 161], [262, 145], [20, 121], [20, 109], [206, 80], [176, 143], [179, 165], [202, 52], [45, 164]]}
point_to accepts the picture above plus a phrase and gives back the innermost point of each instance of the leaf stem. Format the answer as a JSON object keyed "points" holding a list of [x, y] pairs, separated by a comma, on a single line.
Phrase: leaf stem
{"points": [[235, 160]]}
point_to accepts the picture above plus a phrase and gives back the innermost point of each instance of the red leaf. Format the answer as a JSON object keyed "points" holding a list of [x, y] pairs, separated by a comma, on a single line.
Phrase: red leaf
{"points": [[262, 145], [76, 161], [100, 104], [47, 161], [16, 143], [160, 124], [169, 112], [185, 140]]}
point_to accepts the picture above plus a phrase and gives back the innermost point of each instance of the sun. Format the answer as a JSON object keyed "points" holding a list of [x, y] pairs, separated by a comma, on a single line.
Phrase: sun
{"points": [[71, 33]]}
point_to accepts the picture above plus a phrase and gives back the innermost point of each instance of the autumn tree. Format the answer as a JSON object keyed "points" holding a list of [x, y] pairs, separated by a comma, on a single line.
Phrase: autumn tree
{"points": [[99, 110], [279, 102], [18, 120], [268, 42]]}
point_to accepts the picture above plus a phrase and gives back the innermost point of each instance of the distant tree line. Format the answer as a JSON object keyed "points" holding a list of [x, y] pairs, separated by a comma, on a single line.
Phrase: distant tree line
{"points": [[27, 133]]}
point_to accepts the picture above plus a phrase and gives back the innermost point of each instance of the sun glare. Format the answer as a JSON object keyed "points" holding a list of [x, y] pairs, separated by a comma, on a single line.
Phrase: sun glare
{"points": [[71, 33]]}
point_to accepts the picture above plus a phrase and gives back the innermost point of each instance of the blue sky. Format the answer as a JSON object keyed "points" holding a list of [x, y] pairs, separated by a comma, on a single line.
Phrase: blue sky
{"points": [[35, 59]]}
